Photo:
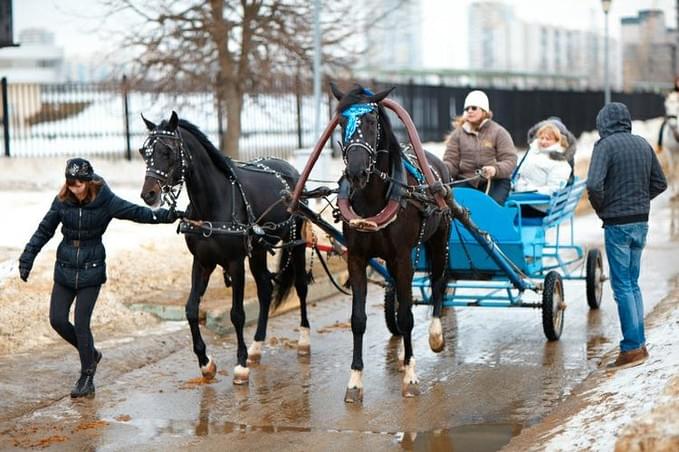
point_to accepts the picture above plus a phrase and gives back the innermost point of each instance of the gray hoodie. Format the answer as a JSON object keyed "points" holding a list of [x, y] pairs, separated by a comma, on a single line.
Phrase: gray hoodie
{"points": [[624, 173]]}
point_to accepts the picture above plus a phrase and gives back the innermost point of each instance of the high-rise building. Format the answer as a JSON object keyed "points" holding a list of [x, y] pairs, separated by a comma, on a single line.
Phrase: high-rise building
{"points": [[493, 35], [37, 59], [544, 55], [649, 51], [395, 41]]}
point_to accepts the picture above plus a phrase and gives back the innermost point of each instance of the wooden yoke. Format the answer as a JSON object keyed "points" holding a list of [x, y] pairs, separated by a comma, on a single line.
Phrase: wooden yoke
{"points": [[412, 136], [327, 133], [417, 146]]}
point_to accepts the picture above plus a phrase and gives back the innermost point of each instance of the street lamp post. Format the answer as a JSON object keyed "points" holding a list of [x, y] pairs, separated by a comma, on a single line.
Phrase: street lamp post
{"points": [[606, 5]]}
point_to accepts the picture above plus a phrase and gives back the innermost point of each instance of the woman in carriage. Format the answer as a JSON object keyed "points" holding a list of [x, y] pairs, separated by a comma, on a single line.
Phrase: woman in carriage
{"points": [[479, 145], [547, 165]]}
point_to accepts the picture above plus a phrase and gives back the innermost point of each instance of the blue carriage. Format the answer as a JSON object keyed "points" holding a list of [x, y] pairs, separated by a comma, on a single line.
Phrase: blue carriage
{"points": [[498, 254]]}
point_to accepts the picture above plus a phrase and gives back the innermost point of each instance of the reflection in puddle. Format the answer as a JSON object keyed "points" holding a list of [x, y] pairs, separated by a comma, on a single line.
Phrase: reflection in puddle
{"points": [[477, 438], [674, 220]]}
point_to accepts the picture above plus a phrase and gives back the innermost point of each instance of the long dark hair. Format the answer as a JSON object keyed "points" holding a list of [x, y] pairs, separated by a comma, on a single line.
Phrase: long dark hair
{"points": [[92, 188]]}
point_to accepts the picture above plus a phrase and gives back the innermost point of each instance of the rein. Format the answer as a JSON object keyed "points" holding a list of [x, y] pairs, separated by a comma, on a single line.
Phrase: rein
{"points": [[171, 191]]}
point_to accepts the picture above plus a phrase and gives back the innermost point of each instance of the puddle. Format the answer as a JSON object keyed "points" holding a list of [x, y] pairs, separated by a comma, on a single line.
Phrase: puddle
{"points": [[473, 437]]}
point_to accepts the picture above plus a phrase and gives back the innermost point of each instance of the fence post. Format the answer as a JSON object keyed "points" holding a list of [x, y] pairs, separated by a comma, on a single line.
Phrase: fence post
{"points": [[126, 118], [5, 115], [298, 101]]}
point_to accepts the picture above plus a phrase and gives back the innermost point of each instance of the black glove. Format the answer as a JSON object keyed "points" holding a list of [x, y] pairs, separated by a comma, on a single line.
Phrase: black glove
{"points": [[24, 271], [175, 214], [438, 187]]}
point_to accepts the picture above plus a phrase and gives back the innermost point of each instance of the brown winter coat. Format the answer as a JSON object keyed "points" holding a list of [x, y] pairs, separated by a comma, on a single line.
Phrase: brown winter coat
{"points": [[467, 151]]}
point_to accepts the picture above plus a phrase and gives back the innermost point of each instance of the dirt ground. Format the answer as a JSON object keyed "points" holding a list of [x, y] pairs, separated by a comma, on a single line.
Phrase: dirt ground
{"points": [[160, 276]]}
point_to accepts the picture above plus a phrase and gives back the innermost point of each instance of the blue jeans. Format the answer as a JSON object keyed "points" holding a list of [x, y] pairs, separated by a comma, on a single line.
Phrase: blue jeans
{"points": [[624, 244]]}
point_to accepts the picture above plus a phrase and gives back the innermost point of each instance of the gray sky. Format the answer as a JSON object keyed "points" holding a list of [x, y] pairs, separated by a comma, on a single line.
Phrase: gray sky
{"points": [[75, 22]]}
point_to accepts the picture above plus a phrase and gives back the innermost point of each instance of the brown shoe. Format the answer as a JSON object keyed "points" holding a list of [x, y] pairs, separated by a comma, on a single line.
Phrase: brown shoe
{"points": [[629, 359], [643, 348]]}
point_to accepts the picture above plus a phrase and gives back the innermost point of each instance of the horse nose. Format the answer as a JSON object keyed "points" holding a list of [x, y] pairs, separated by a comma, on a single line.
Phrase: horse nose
{"points": [[148, 196]]}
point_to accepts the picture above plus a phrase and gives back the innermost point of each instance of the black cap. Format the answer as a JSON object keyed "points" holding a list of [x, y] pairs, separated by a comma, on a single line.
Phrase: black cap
{"points": [[79, 168]]}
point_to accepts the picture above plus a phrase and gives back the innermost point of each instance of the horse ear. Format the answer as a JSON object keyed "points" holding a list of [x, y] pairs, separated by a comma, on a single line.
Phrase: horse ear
{"points": [[149, 124], [335, 91], [379, 97], [174, 120]]}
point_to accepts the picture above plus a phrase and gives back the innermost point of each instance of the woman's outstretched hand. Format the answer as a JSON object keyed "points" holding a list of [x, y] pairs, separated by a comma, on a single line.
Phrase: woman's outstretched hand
{"points": [[24, 271], [177, 214]]}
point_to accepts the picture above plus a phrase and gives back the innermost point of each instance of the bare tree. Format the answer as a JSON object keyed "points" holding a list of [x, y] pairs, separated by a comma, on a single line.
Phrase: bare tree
{"points": [[234, 47]]}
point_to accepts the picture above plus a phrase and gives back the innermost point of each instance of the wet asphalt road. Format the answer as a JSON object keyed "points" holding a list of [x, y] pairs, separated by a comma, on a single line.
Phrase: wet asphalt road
{"points": [[496, 375]]}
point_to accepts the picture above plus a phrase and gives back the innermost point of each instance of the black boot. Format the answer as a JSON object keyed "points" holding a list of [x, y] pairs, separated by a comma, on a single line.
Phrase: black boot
{"points": [[84, 387], [97, 357]]}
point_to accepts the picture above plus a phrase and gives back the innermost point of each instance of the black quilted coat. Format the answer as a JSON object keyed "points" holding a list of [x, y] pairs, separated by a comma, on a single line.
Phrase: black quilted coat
{"points": [[81, 255]]}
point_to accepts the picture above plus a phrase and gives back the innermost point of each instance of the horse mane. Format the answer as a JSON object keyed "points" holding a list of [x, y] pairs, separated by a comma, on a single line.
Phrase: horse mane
{"points": [[389, 136], [221, 161]]}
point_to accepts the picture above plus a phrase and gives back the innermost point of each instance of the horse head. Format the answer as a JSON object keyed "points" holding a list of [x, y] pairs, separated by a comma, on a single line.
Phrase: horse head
{"points": [[672, 104], [359, 117], [163, 152]]}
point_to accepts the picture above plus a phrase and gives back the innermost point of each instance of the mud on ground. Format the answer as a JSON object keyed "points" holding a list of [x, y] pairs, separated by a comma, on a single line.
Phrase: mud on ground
{"points": [[157, 273]]}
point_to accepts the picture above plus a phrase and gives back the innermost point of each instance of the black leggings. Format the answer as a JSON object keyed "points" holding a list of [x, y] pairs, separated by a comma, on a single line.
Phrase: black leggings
{"points": [[80, 335]]}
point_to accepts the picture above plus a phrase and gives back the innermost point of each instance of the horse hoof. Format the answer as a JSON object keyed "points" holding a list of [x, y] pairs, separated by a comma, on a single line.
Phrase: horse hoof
{"points": [[254, 358], [255, 352], [353, 395], [209, 370], [241, 375], [410, 390], [304, 350], [437, 344]]}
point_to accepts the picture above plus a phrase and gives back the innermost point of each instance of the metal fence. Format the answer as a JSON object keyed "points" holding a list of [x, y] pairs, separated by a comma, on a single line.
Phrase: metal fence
{"points": [[433, 107], [103, 119]]}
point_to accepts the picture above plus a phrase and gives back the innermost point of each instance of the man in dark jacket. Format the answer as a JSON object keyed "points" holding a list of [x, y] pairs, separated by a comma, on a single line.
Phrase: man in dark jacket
{"points": [[624, 175]]}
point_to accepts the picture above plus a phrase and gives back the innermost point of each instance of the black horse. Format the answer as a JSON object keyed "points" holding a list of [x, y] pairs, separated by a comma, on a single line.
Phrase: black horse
{"points": [[234, 212], [374, 180]]}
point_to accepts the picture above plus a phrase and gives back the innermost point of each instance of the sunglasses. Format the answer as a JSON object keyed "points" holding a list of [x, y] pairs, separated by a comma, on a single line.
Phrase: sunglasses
{"points": [[471, 108]]}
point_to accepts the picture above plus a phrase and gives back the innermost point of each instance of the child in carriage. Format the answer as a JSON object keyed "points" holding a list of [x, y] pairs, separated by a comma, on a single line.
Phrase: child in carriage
{"points": [[547, 165]]}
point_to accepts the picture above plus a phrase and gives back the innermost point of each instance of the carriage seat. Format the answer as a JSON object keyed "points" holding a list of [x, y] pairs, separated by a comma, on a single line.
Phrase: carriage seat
{"points": [[561, 204]]}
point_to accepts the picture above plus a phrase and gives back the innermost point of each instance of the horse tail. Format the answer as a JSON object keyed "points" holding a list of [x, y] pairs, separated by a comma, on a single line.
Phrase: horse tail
{"points": [[291, 262]]}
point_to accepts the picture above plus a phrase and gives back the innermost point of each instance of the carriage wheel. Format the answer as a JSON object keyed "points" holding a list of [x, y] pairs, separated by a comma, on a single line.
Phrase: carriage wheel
{"points": [[390, 310], [594, 278], [553, 306]]}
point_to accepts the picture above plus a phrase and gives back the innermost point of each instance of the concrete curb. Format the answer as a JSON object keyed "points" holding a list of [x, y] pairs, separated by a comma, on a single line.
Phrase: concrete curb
{"points": [[218, 320]]}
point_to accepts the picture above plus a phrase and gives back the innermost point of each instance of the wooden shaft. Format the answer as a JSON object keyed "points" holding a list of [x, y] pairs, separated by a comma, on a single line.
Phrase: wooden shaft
{"points": [[417, 145], [327, 133]]}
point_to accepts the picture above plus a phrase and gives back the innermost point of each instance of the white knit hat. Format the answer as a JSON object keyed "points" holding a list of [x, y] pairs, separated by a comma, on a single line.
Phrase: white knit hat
{"points": [[477, 99]]}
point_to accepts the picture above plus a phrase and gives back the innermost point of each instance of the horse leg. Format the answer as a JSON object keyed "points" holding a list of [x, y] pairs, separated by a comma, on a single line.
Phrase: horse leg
{"points": [[301, 287], [200, 276], [359, 288], [241, 373], [262, 277], [402, 272], [436, 248]]}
